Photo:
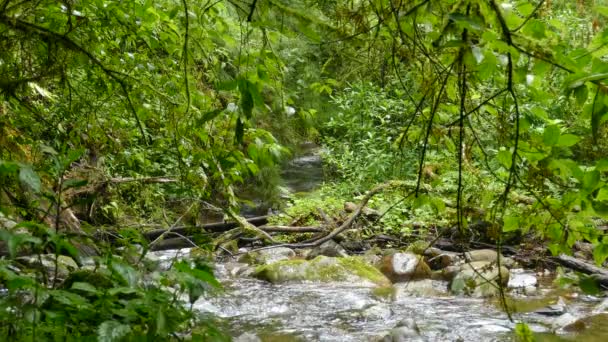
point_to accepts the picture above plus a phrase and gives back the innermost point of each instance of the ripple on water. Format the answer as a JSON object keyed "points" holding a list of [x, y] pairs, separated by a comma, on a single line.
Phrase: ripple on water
{"points": [[346, 312]]}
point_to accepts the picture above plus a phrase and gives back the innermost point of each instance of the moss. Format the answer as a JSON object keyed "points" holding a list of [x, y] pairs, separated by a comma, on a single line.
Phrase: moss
{"points": [[323, 269], [417, 247], [364, 270]]}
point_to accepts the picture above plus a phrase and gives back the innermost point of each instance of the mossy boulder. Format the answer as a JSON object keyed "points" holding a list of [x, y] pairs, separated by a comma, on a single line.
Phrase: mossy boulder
{"points": [[322, 269]]}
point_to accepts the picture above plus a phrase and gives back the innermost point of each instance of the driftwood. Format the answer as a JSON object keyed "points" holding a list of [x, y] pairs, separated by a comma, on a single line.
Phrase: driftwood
{"points": [[217, 227], [598, 273]]}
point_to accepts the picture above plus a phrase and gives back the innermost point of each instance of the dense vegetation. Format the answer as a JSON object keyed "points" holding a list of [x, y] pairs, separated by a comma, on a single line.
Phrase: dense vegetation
{"points": [[118, 115]]}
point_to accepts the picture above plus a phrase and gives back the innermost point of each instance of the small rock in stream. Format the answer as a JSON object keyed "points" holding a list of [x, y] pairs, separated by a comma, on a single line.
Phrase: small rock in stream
{"points": [[328, 248], [268, 256], [557, 309], [406, 330]]}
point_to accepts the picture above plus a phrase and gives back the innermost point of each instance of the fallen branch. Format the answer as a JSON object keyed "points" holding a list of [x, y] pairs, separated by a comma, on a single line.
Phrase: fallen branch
{"points": [[344, 226], [212, 227], [600, 274]]}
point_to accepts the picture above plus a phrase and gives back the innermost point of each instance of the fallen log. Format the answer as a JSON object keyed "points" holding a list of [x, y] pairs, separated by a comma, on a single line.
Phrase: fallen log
{"points": [[217, 227], [600, 274]]}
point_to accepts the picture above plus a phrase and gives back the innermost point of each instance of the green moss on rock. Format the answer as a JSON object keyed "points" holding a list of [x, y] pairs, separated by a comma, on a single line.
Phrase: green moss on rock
{"points": [[321, 269]]}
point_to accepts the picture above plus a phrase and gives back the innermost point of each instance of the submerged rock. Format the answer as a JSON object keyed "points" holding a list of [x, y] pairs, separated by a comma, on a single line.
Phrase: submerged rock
{"points": [[404, 267], [556, 309], [322, 269], [406, 330], [419, 288], [268, 256]]}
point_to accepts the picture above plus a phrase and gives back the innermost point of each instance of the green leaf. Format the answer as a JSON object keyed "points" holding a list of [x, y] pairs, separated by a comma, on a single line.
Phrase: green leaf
{"points": [[8, 168], [125, 273], [161, 323], [505, 158], [511, 223], [28, 177], [591, 180], [602, 165], [589, 285], [600, 253], [551, 135], [112, 331], [209, 116], [602, 195], [85, 287], [580, 80], [581, 93], [74, 183], [567, 140], [69, 298]]}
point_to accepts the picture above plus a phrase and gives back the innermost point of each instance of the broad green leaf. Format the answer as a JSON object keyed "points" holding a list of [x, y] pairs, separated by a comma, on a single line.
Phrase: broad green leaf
{"points": [[581, 93], [602, 165], [511, 223], [589, 285], [505, 158], [85, 287], [567, 140], [551, 135], [28, 177], [600, 253], [125, 273], [591, 180], [69, 298], [112, 331], [602, 195]]}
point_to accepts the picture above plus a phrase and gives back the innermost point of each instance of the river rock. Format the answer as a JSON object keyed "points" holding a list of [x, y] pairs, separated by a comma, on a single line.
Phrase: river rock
{"points": [[65, 264], [406, 330], [322, 269], [377, 312], [481, 255], [479, 279], [267, 256], [557, 309], [404, 267], [563, 321], [328, 248], [419, 288], [438, 259]]}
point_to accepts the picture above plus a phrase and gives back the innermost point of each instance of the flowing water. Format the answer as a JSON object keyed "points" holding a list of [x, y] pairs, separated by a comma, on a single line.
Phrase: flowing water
{"points": [[253, 310], [358, 312]]}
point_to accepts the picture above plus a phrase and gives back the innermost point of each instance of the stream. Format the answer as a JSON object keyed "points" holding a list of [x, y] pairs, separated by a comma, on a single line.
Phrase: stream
{"points": [[254, 310]]}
